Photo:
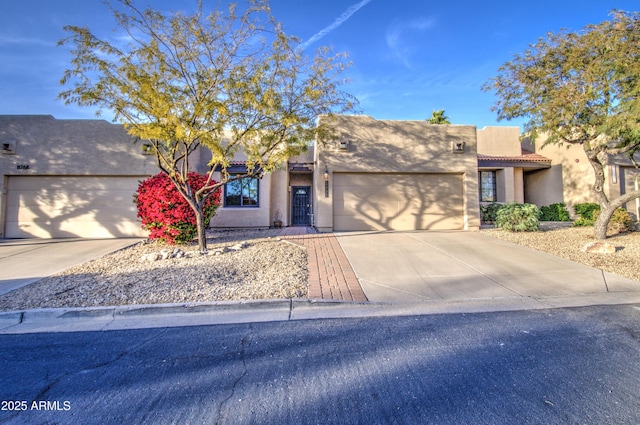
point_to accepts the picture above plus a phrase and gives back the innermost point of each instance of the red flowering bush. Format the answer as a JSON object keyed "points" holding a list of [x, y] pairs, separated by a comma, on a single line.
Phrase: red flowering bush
{"points": [[165, 212]]}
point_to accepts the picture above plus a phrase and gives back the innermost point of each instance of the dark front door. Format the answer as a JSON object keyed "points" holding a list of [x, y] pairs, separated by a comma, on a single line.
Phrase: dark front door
{"points": [[301, 206]]}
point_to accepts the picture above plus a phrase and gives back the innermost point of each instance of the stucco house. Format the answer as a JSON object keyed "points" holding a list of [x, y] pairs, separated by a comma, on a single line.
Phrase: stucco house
{"points": [[570, 178], [76, 178]]}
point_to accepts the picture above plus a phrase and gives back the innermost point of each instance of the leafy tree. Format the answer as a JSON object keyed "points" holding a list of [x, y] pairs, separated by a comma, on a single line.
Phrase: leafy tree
{"points": [[438, 117], [580, 88], [231, 81]]}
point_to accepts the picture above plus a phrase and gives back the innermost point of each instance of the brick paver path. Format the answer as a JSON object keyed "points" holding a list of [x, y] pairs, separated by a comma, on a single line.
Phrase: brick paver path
{"points": [[330, 274]]}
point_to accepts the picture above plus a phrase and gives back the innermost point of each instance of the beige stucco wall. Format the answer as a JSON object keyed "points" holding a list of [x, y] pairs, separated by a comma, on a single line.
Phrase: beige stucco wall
{"points": [[509, 185], [45, 146], [504, 142], [570, 178], [544, 187], [274, 197], [499, 141], [245, 217], [396, 147], [71, 147]]}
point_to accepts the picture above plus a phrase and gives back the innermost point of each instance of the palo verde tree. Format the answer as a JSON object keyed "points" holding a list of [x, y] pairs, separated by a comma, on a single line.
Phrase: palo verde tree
{"points": [[438, 117], [580, 88], [230, 81]]}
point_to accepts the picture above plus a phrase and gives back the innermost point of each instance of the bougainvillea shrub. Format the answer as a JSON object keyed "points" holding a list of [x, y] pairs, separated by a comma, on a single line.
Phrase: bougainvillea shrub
{"points": [[165, 212]]}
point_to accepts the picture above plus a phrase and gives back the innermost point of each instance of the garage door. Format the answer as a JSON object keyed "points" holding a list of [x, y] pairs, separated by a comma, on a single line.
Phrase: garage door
{"points": [[364, 201], [59, 207]]}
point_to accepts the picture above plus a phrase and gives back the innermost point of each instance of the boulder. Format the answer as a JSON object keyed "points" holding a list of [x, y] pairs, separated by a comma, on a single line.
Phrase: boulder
{"points": [[599, 247], [154, 256]]}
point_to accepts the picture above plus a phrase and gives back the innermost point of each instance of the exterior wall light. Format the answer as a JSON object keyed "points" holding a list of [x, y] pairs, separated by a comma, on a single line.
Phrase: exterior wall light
{"points": [[326, 182], [147, 149], [9, 148]]}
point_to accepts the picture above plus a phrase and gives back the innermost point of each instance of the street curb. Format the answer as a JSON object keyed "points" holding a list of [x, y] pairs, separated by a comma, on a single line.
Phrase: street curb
{"points": [[236, 312]]}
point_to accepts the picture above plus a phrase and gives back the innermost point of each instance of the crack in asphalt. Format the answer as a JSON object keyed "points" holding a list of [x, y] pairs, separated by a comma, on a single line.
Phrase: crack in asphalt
{"points": [[243, 344], [55, 381]]}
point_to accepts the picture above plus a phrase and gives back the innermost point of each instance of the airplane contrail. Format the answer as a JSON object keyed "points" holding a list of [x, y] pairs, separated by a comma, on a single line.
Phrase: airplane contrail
{"points": [[346, 15]]}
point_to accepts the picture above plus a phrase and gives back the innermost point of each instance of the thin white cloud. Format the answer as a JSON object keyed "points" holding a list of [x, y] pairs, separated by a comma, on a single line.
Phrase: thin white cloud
{"points": [[341, 19], [7, 39], [396, 39]]}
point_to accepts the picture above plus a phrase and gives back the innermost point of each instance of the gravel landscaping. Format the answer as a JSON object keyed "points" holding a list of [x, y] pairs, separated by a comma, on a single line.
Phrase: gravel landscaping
{"points": [[568, 242], [250, 265], [255, 265]]}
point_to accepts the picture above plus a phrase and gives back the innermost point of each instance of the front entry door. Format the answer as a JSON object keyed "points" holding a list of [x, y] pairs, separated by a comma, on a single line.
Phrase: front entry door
{"points": [[301, 206]]}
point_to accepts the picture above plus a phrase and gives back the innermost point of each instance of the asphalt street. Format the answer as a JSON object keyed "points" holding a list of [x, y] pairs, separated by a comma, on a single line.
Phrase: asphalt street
{"points": [[572, 365]]}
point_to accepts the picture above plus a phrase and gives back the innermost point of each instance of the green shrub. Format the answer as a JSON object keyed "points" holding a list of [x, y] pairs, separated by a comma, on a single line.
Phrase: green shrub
{"points": [[585, 212], [620, 221], [554, 212], [583, 222], [518, 217], [488, 212]]}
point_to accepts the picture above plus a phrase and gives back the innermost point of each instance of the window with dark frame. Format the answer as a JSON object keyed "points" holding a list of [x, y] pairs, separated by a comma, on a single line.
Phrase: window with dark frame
{"points": [[487, 186], [241, 193]]}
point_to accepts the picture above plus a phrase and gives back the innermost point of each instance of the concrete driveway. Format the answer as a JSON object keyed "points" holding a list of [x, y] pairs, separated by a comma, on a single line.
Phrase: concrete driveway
{"points": [[456, 265], [23, 261]]}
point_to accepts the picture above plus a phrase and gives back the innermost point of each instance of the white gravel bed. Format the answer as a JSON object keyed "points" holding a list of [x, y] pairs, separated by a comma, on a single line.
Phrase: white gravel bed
{"points": [[265, 268], [568, 242]]}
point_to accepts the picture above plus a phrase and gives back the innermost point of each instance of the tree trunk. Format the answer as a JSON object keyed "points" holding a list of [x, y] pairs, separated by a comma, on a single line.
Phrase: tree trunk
{"points": [[601, 224], [201, 227]]}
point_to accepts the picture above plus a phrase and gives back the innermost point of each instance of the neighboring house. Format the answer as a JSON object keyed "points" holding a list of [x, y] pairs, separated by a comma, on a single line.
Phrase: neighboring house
{"points": [[76, 178], [504, 167], [570, 178], [68, 178]]}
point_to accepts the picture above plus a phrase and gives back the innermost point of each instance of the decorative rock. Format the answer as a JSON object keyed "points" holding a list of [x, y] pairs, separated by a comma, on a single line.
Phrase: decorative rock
{"points": [[238, 246], [599, 247], [154, 256]]}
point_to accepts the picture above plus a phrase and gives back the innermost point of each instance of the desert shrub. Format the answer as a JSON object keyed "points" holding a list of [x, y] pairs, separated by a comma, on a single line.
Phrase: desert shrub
{"points": [[518, 217], [586, 209], [165, 212], [554, 212], [488, 212], [620, 221], [582, 222], [585, 214]]}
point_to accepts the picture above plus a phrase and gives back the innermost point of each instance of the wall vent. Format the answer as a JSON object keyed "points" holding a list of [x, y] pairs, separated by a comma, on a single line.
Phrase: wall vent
{"points": [[457, 147]]}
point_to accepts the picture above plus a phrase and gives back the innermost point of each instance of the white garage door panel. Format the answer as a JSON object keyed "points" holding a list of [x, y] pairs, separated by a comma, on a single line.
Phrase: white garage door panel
{"points": [[90, 207], [398, 201]]}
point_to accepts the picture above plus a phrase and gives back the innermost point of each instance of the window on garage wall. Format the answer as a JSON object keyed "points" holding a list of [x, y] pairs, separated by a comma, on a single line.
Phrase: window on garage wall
{"points": [[241, 193]]}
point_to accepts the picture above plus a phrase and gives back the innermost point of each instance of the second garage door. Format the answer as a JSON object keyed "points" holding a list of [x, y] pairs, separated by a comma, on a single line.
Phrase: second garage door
{"points": [[397, 201], [78, 206]]}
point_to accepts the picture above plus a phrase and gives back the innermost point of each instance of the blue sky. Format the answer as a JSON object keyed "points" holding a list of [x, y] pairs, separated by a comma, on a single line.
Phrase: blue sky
{"points": [[410, 57]]}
